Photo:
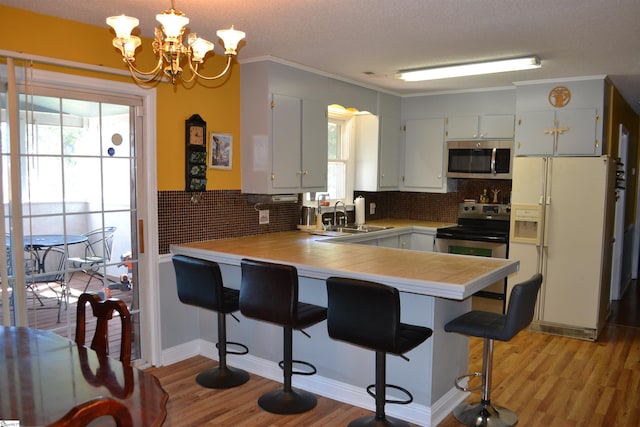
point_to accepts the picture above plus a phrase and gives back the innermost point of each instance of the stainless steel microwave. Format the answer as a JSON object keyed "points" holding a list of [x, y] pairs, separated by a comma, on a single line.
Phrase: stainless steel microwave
{"points": [[479, 159]]}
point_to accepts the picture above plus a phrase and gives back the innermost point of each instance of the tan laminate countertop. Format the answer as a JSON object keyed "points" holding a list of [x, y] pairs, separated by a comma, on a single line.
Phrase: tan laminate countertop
{"points": [[425, 273]]}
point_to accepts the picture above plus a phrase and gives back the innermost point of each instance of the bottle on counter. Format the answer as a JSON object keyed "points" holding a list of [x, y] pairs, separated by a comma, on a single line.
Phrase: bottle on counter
{"points": [[484, 197]]}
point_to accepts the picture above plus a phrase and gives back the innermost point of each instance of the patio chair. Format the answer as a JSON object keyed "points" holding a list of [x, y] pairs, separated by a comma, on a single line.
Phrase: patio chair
{"points": [[54, 260], [97, 252]]}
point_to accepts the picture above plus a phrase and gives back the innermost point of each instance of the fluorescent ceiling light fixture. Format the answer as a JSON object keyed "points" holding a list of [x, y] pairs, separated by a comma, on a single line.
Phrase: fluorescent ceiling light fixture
{"points": [[472, 69]]}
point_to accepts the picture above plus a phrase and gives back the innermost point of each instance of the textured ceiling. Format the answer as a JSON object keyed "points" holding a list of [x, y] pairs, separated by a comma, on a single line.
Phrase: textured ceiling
{"points": [[368, 41]]}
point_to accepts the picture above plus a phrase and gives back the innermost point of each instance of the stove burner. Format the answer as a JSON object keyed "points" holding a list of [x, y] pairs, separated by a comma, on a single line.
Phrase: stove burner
{"points": [[458, 232]]}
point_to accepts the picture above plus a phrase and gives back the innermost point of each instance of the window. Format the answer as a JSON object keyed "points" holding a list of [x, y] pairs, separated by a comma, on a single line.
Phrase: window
{"points": [[338, 158], [340, 163]]}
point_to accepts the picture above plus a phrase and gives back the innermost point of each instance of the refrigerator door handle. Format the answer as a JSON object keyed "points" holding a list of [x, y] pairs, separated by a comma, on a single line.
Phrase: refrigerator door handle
{"points": [[545, 227]]}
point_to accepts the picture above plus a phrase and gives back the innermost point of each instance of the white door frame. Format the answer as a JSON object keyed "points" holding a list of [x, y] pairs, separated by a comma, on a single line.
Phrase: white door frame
{"points": [[146, 193]]}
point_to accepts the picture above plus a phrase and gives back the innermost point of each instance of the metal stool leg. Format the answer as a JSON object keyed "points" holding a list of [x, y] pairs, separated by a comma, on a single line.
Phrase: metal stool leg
{"points": [[380, 419], [222, 376], [484, 413], [287, 400]]}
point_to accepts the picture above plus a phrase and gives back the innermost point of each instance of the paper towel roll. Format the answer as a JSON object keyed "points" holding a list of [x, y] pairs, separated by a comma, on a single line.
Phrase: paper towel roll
{"points": [[359, 202]]}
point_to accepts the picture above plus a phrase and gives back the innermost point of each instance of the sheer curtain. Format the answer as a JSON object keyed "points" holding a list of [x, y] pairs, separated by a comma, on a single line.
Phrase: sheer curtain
{"points": [[13, 303]]}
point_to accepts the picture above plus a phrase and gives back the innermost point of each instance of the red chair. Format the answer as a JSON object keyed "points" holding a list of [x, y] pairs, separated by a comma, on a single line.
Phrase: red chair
{"points": [[84, 413], [103, 311]]}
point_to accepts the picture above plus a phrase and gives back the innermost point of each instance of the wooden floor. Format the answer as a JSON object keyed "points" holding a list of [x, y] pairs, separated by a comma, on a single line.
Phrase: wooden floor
{"points": [[45, 316], [547, 380]]}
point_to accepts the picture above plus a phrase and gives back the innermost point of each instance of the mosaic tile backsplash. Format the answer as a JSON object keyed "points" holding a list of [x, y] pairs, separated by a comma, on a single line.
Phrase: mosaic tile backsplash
{"points": [[217, 215], [432, 206], [223, 214]]}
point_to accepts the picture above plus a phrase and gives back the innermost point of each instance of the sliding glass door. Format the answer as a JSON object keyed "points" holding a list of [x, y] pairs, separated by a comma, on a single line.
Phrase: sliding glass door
{"points": [[69, 162]]}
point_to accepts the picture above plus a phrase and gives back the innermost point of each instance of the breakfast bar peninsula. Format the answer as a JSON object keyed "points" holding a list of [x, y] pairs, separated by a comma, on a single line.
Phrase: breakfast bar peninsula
{"points": [[434, 289]]}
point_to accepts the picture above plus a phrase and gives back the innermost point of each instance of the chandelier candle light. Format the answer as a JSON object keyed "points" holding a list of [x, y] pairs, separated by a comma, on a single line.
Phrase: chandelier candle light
{"points": [[168, 47]]}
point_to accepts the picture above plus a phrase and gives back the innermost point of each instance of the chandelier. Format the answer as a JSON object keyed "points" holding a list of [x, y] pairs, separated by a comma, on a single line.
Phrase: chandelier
{"points": [[169, 48]]}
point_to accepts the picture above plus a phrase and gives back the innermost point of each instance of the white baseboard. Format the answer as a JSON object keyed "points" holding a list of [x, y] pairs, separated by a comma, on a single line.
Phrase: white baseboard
{"points": [[183, 351], [342, 392]]}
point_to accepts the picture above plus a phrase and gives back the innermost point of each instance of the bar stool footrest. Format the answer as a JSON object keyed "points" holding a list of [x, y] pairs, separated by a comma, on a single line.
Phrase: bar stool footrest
{"points": [[245, 349], [408, 400], [461, 377], [300, 362]]}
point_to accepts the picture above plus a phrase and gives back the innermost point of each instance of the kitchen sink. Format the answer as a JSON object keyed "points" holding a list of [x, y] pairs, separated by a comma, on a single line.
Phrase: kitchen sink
{"points": [[357, 228]]}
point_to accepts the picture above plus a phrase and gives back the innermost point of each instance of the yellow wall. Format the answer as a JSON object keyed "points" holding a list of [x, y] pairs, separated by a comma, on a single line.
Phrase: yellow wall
{"points": [[217, 102]]}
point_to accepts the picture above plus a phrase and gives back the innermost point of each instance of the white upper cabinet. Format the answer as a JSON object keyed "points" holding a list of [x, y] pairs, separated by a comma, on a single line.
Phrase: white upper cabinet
{"points": [[495, 126], [389, 162], [377, 148], [561, 118], [424, 151], [284, 129], [558, 133], [299, 141]]}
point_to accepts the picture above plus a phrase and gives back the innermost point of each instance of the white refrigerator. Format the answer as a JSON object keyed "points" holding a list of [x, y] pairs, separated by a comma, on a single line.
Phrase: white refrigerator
{"points": [[562, 227]]}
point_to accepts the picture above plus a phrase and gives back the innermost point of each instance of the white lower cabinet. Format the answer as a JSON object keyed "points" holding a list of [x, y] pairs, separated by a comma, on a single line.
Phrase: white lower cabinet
{"points": [[388, 242], [415, 240]]}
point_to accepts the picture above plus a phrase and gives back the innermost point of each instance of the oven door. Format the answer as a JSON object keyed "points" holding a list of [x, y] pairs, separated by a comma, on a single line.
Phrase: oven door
{"points": [[493, 297], [471, 247]]}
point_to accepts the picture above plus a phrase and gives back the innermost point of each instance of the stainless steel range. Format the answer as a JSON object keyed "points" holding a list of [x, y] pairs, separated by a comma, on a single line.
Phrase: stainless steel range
{"points": [[482, 230]]}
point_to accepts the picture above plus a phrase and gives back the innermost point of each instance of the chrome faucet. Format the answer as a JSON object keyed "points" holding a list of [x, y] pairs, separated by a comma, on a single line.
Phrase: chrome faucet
{"points": [[335, 212]]}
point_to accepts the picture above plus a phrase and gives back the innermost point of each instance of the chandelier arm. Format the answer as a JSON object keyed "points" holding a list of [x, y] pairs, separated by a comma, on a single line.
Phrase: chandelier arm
{"points": [[151, 80], [190, 79], [195, 71], [133, 68]]}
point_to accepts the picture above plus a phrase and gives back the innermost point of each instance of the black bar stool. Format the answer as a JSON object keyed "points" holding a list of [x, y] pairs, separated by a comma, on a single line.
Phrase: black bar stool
{"points": [[269, 292], [199, 283], [368, 314], [493, 326]]}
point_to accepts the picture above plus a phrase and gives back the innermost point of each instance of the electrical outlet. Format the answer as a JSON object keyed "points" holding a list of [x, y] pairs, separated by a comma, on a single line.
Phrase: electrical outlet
{"points": [[372, 208], [263, 216]]}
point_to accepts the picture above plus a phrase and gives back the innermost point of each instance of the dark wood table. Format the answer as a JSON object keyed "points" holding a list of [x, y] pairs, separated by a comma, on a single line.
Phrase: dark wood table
{"points": [[44, 375]]}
